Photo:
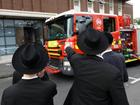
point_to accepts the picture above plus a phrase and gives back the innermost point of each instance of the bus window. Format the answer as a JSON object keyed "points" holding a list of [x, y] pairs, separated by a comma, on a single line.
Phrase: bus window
{"points": [[109, 24]]}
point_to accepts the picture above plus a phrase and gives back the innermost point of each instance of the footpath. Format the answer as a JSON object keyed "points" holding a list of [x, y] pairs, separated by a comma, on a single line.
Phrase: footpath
{"points": [[6, 69]]}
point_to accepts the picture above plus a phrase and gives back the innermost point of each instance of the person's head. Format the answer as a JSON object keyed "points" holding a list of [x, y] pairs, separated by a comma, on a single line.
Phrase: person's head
{"points": [[30, 58], [92, 42], [109, 37]]}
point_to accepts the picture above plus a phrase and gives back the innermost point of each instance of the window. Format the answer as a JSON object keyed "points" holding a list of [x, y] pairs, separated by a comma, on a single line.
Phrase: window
{"points": [[8, 23], [1, 28], [2, 41], [1, 32], [111, 6], [76, 4], [12, 33], [2, 50], [90, 6], [69, 27], [9, 31], [1, 23], [120, 7], [109, 24], [101, 7], [9, 35], [19, 23], [10, 41], [60, 28], [57, 30]]}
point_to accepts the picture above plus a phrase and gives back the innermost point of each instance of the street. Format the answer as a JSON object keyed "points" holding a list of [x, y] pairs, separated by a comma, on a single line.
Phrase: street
{"points": [[64, 83]]}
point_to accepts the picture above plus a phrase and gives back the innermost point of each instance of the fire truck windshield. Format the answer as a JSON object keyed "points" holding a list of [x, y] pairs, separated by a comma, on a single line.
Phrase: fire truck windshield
{"points": [[60, 29]]}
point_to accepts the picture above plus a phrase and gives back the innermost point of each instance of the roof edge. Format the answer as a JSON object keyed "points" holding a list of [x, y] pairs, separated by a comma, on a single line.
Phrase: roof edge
{"points": [[19, 13]]}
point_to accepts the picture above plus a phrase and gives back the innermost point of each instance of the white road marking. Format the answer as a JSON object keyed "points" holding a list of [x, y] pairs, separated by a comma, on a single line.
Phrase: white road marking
{"points": [[8, 64], [134, 80]]}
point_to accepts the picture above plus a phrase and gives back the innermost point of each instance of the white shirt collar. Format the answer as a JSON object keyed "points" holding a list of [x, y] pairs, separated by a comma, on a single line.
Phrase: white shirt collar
{"points": [[107, 50], [99, 55], [28, 77]]}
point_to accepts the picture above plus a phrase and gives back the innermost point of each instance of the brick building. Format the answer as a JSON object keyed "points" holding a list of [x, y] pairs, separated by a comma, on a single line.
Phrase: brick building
{"points": [[17, 14]]}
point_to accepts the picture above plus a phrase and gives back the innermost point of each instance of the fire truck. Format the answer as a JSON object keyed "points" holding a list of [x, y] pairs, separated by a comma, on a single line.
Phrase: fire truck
{"points": [[63, 28]]}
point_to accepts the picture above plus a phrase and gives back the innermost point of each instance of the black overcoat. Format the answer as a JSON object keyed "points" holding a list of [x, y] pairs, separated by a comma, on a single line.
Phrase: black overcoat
{"points": [[29, 92], [118, 61], [96, 82]]}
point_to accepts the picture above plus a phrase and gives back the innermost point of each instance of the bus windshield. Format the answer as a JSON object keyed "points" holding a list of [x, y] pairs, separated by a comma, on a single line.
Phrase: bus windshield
{"points": [[60, 29]]}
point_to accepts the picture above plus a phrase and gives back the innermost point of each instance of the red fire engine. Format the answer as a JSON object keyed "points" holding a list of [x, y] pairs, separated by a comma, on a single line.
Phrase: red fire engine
{"points": [[63, 28]]}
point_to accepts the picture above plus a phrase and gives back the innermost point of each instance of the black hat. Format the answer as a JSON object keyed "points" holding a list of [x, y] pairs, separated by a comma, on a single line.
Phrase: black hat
{"points": [[91, 41], [30, 58], [109, 37]]}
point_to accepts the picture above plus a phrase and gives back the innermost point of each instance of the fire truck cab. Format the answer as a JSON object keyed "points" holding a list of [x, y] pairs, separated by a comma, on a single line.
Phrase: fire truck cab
{"points": [[63, 28]]}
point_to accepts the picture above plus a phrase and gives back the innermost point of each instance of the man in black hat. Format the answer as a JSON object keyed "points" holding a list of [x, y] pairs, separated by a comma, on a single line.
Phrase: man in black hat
{"points": [[96, 82], [31, 34], [114, 58], [29, 59]]}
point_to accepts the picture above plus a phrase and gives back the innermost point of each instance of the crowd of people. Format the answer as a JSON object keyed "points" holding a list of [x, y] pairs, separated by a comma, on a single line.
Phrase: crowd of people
{"points": [[99, 73]]}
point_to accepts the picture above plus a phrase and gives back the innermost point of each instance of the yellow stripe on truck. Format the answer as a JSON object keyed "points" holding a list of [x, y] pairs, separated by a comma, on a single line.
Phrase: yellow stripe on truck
{"points": [[130, 60], [52, 43], [76, 46], [55, 54], [53, 49]]}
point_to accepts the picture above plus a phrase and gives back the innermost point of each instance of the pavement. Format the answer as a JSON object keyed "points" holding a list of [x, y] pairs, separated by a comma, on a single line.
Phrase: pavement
{"points": [[133, 93], [5, 59], [6, 69]]}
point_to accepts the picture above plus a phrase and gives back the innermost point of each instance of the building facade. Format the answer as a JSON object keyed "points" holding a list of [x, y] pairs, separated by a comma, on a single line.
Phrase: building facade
{"points": [[17, 14]]}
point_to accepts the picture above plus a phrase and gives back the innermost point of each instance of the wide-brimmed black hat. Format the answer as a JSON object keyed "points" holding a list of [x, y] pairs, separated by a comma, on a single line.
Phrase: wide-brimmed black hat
{"points": [[91, 41], [109, 37], [30, 58]]}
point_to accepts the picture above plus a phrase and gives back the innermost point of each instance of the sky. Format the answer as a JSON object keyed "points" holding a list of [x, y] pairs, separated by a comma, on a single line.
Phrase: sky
{"points": [[136, 8]]}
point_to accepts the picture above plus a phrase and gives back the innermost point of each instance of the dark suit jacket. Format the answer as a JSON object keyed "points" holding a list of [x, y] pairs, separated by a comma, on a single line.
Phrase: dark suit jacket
{"points": [[96, 82], [30, 92], [118, 61]]}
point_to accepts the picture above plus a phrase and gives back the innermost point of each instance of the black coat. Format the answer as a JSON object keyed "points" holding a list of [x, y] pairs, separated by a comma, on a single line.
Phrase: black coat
{"points": [[30, 92], [96, 82], [118, 61]]}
